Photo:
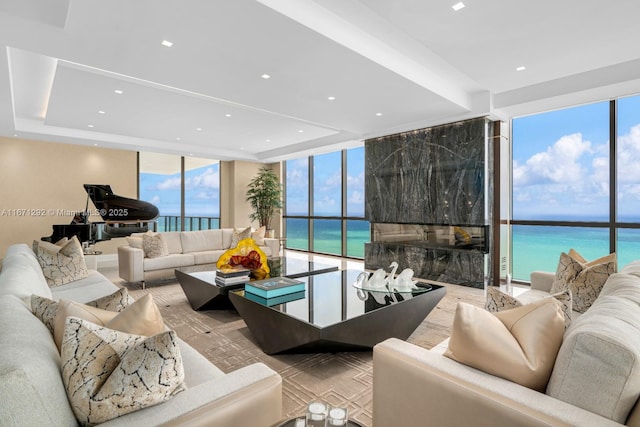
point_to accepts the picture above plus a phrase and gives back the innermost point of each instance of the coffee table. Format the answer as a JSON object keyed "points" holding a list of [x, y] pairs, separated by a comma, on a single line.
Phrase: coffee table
{"points": [[334, 316], [204, 293]]}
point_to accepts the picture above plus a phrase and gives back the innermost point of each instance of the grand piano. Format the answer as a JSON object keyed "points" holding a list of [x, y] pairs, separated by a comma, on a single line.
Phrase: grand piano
{"points": [[122, 216]]}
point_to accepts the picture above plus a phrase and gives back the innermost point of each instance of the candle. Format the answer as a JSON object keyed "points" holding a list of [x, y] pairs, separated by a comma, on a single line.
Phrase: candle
{"points": [[337, 417]]}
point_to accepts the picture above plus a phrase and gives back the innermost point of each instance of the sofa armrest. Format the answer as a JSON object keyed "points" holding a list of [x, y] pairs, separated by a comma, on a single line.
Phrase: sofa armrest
{"points": [[131, 263], [248, 397], [542, 280], [274, 245], [414, 386]]}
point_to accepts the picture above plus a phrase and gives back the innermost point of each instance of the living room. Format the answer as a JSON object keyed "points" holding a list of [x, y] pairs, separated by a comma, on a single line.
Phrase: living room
{"points": [[138, 95]]}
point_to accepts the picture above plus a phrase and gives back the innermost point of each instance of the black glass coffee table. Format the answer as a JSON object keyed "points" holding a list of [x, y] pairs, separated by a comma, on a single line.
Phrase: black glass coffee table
{"points": [[332, 315], [204, 293]]}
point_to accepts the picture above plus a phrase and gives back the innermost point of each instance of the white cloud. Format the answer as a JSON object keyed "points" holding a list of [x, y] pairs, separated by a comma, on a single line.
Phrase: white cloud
{"points": [[559, 164], [172, 183], [207, 179], [629, 156]]}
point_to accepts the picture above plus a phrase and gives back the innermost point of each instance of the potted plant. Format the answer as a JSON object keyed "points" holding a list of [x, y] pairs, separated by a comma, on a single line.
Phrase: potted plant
{"points": [[264, 193]]}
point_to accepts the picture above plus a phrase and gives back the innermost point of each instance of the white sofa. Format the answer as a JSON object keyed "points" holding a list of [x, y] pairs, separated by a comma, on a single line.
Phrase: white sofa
{"points": [[595, 379], [31, 388], [186, 248]]}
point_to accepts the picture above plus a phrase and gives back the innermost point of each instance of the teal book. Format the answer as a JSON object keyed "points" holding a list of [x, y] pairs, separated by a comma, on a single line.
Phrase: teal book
{"points": [[275, 300], [274, 287]]}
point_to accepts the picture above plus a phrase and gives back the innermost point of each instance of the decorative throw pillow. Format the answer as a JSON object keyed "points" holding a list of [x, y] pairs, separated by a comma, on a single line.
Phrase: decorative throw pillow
{"points": [[584, 280], [135, 242], [239, 235], [140, 318], [61, 264], [499, 301], [519, 344], [110, 373], [258, 235], [45, 309], [154, 245]]}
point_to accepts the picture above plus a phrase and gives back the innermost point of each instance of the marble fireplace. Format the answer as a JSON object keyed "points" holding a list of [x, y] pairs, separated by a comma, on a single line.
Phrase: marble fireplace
{"points": [[428, 196]]}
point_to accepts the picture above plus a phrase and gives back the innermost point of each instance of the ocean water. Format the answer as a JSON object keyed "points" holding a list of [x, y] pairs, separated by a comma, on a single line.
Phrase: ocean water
{"points": [[327, 236]]}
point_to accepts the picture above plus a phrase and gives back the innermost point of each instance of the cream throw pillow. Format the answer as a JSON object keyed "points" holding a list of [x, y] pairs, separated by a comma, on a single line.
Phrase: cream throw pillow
{"points": [[258, 235], [46, 309], [240, 235], [61, 263], [140, 318], [109, 373], [519, 345], [499, 301], [584, 279], [154, 245]]}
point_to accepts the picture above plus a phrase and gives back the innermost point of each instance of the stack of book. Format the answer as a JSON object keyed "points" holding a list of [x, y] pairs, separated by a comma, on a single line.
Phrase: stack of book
{"points": [[276, 290], [232, 276]]}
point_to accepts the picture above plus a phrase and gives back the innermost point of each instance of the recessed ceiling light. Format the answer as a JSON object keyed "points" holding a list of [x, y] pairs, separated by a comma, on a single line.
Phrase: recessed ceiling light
{"points": [[458, 6], [167, 43], [331, 98], [300, 131], [199, 129], [521, 68], [118, 91], [378, 114], [267, 140], [266, 76], [191, 154], [101, 112], [95, 145], [90, 126], [227, 115], [178, 139], [242, 148]]}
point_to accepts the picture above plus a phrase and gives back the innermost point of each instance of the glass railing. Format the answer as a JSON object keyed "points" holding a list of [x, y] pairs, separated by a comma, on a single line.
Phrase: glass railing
{"points": [[191, 223]]}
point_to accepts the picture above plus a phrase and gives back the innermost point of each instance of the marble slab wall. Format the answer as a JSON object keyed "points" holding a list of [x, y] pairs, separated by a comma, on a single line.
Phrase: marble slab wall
{"points": [[428, 176], [440, 175]]}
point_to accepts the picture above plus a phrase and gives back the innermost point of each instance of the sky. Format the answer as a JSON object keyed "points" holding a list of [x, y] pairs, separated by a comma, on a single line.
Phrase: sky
{"points": [[202, 191], [561, 163]]}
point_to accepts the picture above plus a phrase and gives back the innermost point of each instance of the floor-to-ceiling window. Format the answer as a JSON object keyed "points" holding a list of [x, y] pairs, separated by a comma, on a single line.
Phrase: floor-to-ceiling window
{"points": [[324, 203], [186, 190], [565, 183]]}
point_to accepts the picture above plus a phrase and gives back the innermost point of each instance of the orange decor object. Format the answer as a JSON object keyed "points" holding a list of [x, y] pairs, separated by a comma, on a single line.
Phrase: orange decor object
{"points": [[248, 255]]}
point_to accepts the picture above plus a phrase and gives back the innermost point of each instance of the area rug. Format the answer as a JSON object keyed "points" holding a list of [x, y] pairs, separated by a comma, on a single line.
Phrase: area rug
{"points": [[340, 379]]}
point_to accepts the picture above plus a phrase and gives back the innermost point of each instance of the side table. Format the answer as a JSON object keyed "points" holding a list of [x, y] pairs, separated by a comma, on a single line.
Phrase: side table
{"points": [[91, 259]]}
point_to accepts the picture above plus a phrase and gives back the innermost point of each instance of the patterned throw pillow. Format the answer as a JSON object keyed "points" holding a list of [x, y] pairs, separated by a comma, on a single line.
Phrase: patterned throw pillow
{"points": [[45, 309], [61, 264], [154, 245], [498, 301], [584, 280], [109, 373], [240, 235]]}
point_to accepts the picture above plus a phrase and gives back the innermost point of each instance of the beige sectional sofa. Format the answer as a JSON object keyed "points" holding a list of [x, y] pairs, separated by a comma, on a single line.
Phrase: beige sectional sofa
{"points": [[595, 380], [186, 248], [32, 391]]}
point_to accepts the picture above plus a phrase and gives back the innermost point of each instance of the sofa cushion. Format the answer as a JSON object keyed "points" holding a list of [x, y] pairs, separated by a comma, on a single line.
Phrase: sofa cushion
{"points": [[110, 373], [518, 344], [61, 264], [207, 257], [227, 237], [203, 240], [585, 280], [174, 241], [30, 385], [598, 365], [169, 261], [498, 301], [154, 245], [88, 289]]}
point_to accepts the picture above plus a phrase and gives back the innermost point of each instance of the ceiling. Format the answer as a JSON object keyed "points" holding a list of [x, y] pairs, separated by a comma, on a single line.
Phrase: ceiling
{"points": [[340, 71]]}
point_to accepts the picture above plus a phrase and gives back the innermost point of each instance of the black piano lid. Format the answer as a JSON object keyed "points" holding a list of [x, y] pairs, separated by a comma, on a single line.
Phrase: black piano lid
{"points": [[114, 208]]}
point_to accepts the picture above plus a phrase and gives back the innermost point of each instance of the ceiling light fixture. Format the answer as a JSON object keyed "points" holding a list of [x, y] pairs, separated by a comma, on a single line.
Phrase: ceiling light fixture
{"points": [[266, 76], [199, 129], [458, 6], [118, 91], [167, 43], [331, 98], [227, 115], [521, 68], [95, 145], [90, 126], [300, 131], [178, 139], [378, 114], [267, 140], [100, 112]]}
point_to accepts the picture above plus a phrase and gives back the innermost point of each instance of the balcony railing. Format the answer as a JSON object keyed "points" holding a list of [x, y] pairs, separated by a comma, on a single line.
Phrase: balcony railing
{"points": [[191, 223]]}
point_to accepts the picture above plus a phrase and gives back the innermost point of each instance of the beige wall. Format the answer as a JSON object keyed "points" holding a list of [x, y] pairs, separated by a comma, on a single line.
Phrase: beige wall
{"points": [[48, 177], [234, 178]]}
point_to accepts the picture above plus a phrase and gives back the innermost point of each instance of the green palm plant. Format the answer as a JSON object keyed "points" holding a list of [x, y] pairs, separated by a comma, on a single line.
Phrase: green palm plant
{"points": [[264, 193]]}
